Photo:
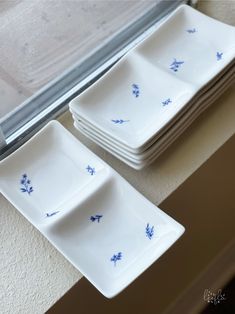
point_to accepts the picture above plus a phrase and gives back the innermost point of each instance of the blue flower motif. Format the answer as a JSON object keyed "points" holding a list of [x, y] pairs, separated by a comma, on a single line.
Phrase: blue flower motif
{"points": [[175, 65], [96, 218], [166, 102], [52, 214], [135, 90], [90, 170], [116, 257], [149, 231], [26, 187], [219, 55], [120, 121], [191, 31]]}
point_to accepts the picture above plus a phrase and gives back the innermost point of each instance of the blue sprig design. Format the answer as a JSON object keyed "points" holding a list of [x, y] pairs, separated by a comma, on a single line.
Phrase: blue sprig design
{"points": [[149, 231], [219, 55], [166, 102], [175, 65], [90, 170], [96, 218], [26, 185], [135, 90], [191, 31], [52, 214], [119, 121], [116, 257]]}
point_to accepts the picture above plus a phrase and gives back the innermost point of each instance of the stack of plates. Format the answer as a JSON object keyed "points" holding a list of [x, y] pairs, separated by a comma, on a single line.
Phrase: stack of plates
{"points": [[140, 106]]}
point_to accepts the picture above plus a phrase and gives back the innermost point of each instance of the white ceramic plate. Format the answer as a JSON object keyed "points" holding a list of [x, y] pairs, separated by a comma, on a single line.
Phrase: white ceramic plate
{"points": [[160, 146], [222, 84], [101, 224], [191, 46], [217, 80], [111, 104], [54, 165], [149, 86], [129, 236]]}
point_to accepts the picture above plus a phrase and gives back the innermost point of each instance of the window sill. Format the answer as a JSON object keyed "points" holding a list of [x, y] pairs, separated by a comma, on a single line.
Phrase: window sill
{"points": [[33, 277]]}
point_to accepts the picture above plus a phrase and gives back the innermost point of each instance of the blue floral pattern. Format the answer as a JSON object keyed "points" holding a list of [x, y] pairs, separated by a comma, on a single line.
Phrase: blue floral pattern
{"points": [[135, 90], [96, 218], [175, 65], [219, 55], [26, 185], [116, 257], [149, 231], [90, 170], [166, 102], [119, 121], [191, 31], [52, 214]]}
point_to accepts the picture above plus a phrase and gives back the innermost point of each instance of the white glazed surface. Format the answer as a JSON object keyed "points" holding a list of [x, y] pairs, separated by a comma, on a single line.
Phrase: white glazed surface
{"points": [[216, 89], [90, 245], [139, 151], [195, 39], [168, 138], [56, 169], [113, 99], [86, 209], [132, 116]]}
